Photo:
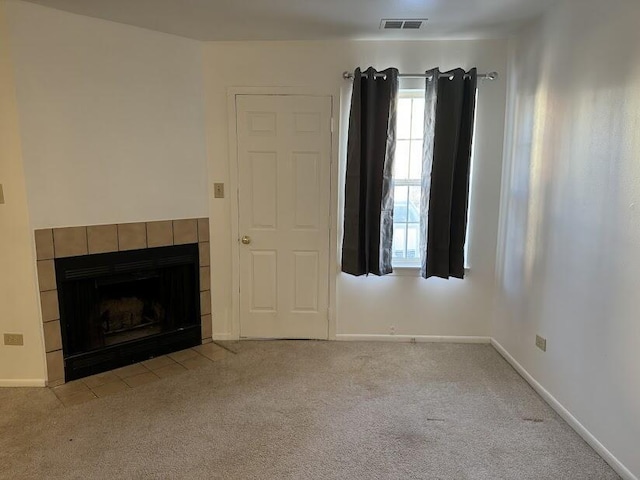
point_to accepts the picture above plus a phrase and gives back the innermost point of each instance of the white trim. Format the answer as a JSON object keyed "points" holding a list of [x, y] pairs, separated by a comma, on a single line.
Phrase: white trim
{"points": [[232, 93], [348, 337], [22, 382], [573, 422], [224, 337], [233, 200]]}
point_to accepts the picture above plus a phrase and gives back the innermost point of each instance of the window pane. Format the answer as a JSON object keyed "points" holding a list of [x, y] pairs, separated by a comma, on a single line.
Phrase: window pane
{"points": [[399, 238], [403, 126], [418, 118], [414, 204], [400, 204], [413, 241], [415, 171], [401, 160]]}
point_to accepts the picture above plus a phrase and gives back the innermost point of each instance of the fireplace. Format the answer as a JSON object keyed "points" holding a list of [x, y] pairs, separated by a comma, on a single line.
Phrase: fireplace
{"points": [[124, 307]]}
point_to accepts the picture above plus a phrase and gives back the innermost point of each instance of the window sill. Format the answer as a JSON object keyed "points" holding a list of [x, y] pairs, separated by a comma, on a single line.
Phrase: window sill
{"points": [[406, 271]]}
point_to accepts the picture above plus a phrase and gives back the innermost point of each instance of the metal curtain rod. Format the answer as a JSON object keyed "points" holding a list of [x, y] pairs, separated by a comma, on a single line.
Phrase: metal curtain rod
{"points": [[481, 76]]}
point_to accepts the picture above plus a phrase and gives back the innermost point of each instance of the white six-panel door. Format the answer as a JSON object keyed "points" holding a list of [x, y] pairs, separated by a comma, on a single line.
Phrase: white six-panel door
{"points": [[284, 167]]}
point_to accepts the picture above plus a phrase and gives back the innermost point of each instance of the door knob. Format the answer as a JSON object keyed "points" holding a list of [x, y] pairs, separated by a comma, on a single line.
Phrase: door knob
{"points": [[246, 239]]}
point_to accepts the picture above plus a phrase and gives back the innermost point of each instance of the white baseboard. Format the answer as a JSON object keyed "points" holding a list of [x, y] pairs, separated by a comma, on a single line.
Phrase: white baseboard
{"points": [[573, 422], [22, 382], [224, 337], [348, 337]]}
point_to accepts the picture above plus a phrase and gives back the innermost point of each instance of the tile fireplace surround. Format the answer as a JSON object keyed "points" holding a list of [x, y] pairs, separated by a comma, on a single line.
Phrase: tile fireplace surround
{"points": [[55, 243]]}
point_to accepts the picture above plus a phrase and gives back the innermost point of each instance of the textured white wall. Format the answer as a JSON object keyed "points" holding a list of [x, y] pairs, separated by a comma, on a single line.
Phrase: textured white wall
{"points": [[569, 251], [367, 305], [112, 119], [19, 311]]}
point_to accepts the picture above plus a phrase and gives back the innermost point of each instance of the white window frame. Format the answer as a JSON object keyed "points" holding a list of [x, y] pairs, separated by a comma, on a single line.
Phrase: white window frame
{"points": [[414, 264], [406, 267]]}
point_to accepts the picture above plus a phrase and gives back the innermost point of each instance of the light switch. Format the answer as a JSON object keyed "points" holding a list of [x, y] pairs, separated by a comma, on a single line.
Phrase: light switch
{"points": [[218, 190], [1, 195]]}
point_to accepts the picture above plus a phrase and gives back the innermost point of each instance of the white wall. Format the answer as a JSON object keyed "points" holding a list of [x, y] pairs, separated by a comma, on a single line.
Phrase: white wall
{"points": [[569, 253], [367, 305], [19, 365], [112, 119]]}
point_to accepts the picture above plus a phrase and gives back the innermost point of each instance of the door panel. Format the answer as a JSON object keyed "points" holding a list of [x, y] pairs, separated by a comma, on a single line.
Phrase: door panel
{"points": [[284, 167]]}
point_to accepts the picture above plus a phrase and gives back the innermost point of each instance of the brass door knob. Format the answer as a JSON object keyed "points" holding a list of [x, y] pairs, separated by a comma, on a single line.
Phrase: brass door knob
{"points": [[246, 239]]}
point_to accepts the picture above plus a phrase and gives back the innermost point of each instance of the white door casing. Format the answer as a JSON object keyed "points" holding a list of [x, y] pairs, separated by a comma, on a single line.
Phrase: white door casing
{"points": [[284, 194]]}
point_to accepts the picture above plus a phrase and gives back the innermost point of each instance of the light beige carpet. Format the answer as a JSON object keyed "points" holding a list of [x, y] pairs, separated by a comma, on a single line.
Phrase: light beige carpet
{"points": [[305, 410]]}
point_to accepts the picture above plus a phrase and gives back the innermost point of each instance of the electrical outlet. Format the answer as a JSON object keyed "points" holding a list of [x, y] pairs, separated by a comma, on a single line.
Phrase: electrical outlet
{"points": [[218, 190], [541, 343], [13, 339], [392, 330]]}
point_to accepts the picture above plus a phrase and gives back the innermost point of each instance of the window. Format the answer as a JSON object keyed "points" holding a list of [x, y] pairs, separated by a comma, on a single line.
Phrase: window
{"points": [[407, 179]]}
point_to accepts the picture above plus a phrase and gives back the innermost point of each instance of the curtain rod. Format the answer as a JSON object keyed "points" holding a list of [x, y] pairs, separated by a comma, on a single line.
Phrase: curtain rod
{"points": [[481, 76]]}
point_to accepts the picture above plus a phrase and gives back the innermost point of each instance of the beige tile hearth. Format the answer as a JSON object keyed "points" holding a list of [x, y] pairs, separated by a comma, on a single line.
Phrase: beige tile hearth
{"points": [[169, 370], [132, 236], [185, 231], [130, 370], [70, 241], [205, 278], [71, 388], [159, 234], [137, 374], [182, 355], [203, 230], [55, 367], [49, 304], [196, 362], [158, 362], [78, 398], [95, 381], [141, 379], [110, 388], [205, 254], [46, 275], [207, 327], [44, 244], [102, 238], [52, 336], [205, 303], [212, 351]]}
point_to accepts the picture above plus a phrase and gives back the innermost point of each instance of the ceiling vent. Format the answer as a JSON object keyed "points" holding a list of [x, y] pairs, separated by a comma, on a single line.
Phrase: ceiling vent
{"points": [[402, 24]]}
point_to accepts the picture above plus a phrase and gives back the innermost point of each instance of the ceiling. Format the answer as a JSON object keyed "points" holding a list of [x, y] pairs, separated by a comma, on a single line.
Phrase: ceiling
{"points": [[311, 19]]}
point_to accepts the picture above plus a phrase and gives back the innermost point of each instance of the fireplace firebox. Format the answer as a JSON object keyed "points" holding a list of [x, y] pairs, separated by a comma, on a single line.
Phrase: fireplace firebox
{"points": [[124, 307]]}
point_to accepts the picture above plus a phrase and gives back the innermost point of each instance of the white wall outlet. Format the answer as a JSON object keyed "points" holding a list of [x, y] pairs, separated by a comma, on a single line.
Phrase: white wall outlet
{"points": [[218, 190], [541, 343], [392, 329], [15, 339]]}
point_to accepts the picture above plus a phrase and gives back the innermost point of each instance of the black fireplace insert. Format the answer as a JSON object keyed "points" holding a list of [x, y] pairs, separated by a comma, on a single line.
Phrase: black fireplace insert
{"points": [[124, 307]]}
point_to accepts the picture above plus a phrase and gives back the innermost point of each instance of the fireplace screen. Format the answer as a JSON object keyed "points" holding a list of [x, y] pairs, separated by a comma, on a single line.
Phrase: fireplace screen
{"points": [[119, 308]]}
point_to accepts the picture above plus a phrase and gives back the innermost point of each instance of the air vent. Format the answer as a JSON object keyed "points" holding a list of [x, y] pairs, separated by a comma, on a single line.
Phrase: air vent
{"points": [[402, 24], [392, 24]]}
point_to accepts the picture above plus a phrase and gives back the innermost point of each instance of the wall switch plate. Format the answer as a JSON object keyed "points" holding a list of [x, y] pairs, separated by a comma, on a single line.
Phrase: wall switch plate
{"points": [[218, 190], [1, 195], [13, 339], [541, 343]]}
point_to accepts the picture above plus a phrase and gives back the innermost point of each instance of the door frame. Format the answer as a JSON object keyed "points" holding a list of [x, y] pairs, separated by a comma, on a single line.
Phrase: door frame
{"points": [[233, 195]]}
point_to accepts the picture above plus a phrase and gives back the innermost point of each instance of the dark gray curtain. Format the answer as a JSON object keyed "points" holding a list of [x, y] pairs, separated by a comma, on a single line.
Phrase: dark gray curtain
{"points": [[368, 209], [450, 100]]}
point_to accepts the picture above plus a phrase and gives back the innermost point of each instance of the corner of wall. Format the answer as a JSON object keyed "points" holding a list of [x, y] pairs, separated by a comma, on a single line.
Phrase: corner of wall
{"points": [[19, 306]]}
